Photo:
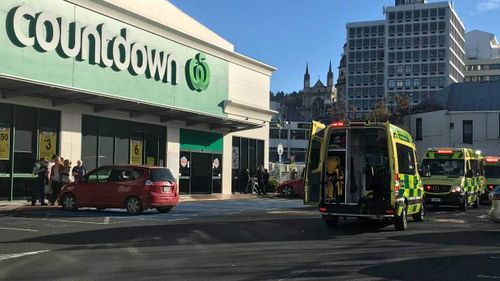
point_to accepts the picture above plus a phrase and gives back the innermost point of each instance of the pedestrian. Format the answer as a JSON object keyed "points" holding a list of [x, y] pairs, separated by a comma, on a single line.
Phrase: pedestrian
{"points": [[266, 180], [40, 170], [66, 176], [56, 174], [293, 174], [79, 170], [245, 177], [260, 179]]}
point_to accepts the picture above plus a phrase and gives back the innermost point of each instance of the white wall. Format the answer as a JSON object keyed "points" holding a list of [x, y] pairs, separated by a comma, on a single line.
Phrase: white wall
{"points": [[436, 130]]}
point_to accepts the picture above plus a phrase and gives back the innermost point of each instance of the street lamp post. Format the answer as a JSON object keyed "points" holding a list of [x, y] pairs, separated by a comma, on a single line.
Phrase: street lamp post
{"points": [[409, 113]]}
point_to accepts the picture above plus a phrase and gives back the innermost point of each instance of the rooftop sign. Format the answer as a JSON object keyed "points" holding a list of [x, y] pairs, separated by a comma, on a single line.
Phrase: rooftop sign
{"points": [[85, 50]]}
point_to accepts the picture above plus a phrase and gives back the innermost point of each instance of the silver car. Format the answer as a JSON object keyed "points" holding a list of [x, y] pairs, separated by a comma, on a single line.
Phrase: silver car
{"points": [[494, 212]]}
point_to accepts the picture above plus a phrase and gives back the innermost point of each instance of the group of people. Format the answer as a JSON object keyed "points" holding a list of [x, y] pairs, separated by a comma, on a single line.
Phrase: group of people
{"points": [[55, 174], [262, 178]]}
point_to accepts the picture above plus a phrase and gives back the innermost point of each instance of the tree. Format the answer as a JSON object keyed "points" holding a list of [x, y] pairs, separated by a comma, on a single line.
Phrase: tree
{"points": [[380, 113]]}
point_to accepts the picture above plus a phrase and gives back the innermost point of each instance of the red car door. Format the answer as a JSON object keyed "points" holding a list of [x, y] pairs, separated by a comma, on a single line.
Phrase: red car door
{"points": [[100, 188]]}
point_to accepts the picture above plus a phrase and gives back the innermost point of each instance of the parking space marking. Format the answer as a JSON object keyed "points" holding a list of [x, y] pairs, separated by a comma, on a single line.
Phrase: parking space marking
{"points": [[18, 255], [449, 220], [18, 229], [488, 276], [74, 221]]}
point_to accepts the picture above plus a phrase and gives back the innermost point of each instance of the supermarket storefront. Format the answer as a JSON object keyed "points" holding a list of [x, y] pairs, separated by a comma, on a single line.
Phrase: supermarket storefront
{"points": [[112, 82]]}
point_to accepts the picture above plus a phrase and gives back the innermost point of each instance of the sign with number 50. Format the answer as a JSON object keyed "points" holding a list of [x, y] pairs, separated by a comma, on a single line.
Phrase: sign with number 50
{"points": [[4, 143]]}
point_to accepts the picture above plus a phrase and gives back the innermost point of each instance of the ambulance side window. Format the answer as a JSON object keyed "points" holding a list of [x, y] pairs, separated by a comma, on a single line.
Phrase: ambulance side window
{"points": [[315, 151], [406, 159]]}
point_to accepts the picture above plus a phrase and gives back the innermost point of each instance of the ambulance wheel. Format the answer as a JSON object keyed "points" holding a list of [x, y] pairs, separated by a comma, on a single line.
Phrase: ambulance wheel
{"points": [[420, 215], [401, 222], [464, 205], [476, 202], [331, 221]]}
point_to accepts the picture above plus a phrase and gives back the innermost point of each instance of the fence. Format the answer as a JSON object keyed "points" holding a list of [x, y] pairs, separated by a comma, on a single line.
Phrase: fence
{"points": [[283, 172]]}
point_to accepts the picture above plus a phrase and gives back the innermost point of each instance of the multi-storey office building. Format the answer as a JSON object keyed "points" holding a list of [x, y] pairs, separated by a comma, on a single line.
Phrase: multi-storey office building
{"points": [[416, 51], [483, 57]]}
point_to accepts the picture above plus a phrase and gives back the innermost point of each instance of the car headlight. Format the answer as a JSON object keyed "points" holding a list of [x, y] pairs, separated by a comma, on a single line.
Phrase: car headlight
{"points": [[456, 189]]}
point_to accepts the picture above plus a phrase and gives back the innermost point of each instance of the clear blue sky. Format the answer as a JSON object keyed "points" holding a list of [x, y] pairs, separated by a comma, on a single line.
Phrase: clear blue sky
{"points": [[288, 33]]}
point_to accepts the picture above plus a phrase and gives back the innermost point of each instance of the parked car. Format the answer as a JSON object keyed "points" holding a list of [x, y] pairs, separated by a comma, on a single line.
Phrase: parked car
{"points": [[291, 188], [132, 187], [494, 212]]}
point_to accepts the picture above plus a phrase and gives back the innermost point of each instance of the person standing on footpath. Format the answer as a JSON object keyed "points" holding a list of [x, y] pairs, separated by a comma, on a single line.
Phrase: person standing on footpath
{"points": [[260, 179], [66, 176], [56, 174], [266, 180], [79, 170], [245, 177], [40, 170]]}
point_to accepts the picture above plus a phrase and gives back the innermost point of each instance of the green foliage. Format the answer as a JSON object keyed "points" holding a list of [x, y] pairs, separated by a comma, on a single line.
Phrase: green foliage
{"points": [[272, 185]]}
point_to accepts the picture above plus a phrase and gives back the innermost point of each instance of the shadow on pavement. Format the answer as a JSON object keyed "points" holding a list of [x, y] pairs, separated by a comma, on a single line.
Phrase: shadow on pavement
{"points": [[222, 232], [456, 238], [471, 267]]}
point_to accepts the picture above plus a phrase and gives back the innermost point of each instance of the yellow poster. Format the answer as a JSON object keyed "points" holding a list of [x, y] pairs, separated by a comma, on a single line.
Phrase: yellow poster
{"points": [[47, 145], [150, 161], [4, 143], [136, 152]]}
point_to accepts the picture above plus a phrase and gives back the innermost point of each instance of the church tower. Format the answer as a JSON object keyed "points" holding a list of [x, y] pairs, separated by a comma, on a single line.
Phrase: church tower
{"points": [[329, 77], [307, 78]]}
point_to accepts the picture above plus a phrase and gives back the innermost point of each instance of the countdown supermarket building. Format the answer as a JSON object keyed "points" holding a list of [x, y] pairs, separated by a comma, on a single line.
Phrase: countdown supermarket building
{"points": [[119, 81]]}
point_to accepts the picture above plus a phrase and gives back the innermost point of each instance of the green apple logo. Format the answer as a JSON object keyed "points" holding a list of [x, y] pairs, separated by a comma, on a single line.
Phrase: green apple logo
{"points": [[197, 73]]}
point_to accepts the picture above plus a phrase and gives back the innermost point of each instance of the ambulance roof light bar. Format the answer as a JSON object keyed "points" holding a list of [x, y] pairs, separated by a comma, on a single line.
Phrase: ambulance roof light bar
{"points": [[338, 124], [491, 159], [445, 151]]}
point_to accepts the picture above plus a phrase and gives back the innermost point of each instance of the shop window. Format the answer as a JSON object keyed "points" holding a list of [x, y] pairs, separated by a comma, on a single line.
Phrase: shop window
{"points": [[5, 136], [24, 141], [106, 142], [89, 141], [122, 142]]}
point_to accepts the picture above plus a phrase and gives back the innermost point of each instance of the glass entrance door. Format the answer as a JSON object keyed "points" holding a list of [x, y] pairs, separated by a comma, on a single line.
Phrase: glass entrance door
{"points": [[201, 172]]}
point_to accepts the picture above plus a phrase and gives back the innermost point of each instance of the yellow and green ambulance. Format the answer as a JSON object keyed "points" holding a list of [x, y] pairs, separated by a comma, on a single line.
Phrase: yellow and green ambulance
{"points": [[363, 170], [492, 174], [452, 176]]}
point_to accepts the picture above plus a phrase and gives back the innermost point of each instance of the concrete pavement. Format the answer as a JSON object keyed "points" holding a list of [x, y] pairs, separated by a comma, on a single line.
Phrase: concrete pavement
{"points": [[262, 239]]}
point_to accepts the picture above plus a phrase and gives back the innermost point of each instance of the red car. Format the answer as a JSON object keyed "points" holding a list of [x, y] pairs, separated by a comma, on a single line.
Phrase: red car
{"points": [[291, 188], [134, 188]]}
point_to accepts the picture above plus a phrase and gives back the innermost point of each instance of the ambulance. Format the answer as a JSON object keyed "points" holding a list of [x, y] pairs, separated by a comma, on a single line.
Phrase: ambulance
{"points": [[363, 170], [452, 176], [492, 174]]}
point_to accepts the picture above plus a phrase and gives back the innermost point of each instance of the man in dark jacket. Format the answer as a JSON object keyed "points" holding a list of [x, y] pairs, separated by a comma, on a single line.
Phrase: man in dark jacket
{"points": [[40, 170], [245, 176]]}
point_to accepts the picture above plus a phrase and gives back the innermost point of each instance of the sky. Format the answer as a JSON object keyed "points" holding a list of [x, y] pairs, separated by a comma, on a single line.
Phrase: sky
{"points": [[287, 34]]}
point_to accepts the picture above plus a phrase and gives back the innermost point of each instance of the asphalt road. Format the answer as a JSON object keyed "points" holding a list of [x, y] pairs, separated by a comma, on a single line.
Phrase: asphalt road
{"points": [[262, 239]]}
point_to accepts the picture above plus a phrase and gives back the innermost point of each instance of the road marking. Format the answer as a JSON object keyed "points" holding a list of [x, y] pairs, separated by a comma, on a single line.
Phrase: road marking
{"points": [[494, 258], [292, 274], [488, 277], [106, 220], [448, 220], [74, 221], [19, 229], [13, 256]]}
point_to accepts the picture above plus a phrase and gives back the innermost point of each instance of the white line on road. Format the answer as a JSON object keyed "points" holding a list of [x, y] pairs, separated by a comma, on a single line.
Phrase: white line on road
{"points": [[18, 255], [449, 221], [106, 220], [488, 277], [18, 229], [74, 221]]}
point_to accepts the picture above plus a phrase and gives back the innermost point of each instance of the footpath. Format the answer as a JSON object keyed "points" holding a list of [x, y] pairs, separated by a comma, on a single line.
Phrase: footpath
{"points": [[6, 206]]}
